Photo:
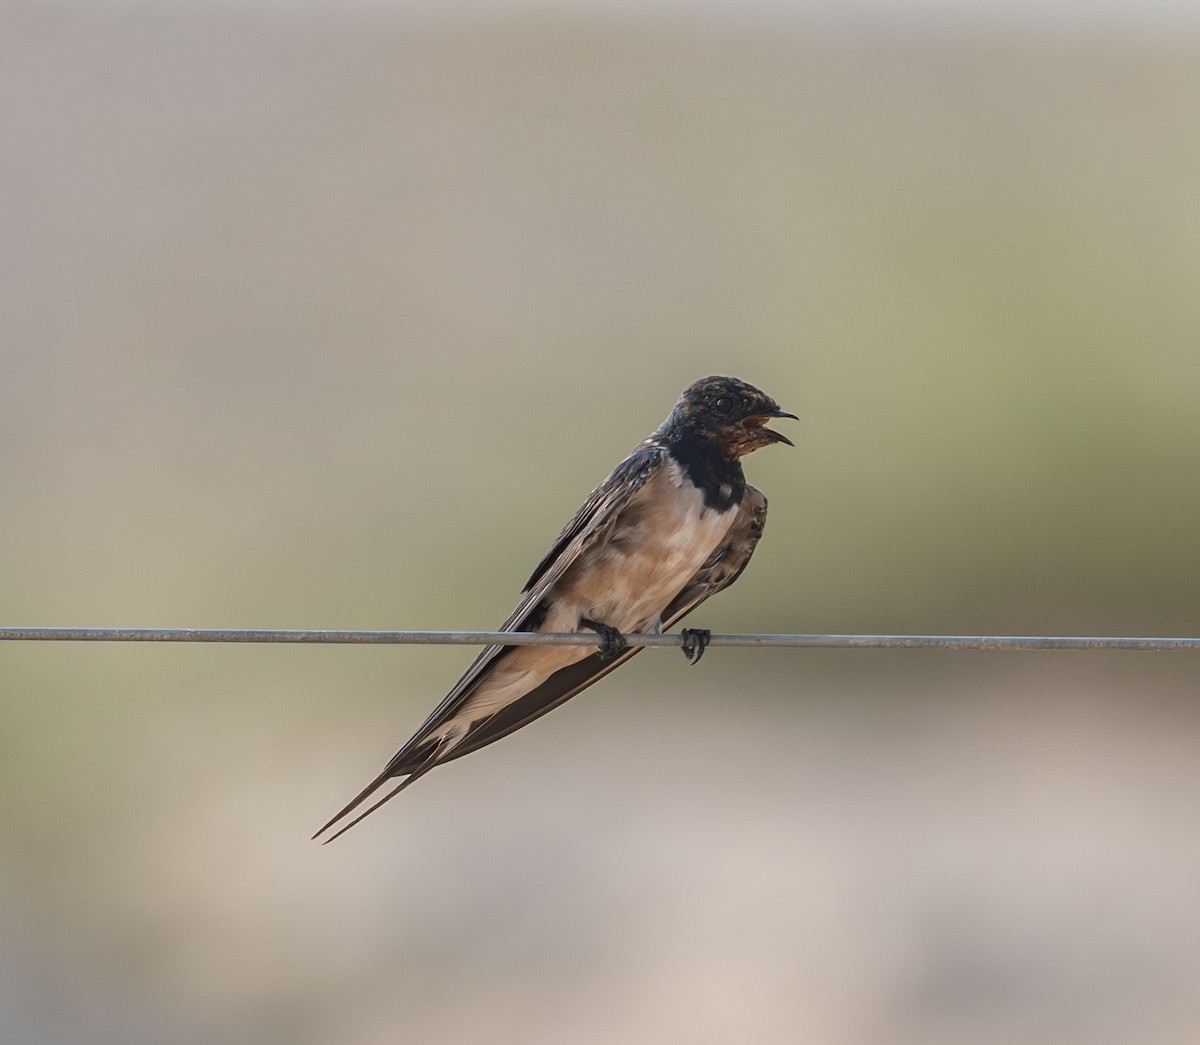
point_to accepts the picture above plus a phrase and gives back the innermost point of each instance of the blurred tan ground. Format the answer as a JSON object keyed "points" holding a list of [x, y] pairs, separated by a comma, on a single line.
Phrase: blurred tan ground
{"points": [[321, 323]]}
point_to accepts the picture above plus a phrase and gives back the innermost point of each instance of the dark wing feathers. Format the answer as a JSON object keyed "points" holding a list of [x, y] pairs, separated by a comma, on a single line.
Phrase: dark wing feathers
{"points": [[601, 507], [720, 570], [589, 524]]}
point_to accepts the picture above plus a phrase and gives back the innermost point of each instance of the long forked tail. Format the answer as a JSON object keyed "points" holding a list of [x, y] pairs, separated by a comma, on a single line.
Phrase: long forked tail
{"points": [[371, 788], [355, 802], [389, 773]]}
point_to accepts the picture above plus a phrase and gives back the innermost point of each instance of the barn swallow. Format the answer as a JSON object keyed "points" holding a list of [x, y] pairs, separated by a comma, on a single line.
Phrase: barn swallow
{"points": [[674, 523]]}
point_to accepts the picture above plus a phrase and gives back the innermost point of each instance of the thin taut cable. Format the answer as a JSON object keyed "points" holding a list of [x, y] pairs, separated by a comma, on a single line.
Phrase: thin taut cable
{"points": [[524, 638]]}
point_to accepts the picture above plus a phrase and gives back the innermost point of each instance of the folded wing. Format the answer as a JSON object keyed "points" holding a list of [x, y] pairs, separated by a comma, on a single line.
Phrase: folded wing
{"points": [[719, 571], [427, 747]]}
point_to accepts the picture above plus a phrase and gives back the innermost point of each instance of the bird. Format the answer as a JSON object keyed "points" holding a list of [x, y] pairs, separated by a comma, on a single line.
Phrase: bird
{"points": [[674, 523]]}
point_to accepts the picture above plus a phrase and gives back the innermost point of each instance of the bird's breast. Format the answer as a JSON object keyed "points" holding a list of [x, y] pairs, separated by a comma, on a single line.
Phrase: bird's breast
{"points": [[652, 549]]}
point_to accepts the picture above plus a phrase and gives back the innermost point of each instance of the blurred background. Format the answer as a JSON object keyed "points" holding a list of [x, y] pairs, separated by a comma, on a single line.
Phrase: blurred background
{"points": [[330, 316]]}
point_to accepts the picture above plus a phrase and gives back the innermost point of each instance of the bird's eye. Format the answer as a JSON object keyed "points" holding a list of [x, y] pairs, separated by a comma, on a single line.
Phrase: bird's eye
{"points": [[723, 405]]}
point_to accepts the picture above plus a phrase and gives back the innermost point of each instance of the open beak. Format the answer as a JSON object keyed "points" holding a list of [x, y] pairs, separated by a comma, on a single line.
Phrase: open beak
{"points": [[761, 421]]}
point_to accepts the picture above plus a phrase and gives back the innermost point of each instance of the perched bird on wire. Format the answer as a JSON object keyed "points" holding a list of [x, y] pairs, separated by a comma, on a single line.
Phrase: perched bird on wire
{"points": [[674, 523]]}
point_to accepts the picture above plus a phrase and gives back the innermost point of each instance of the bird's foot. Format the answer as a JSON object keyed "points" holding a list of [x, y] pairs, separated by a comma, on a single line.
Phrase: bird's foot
{"points": [[695, 642], [612, 643]]}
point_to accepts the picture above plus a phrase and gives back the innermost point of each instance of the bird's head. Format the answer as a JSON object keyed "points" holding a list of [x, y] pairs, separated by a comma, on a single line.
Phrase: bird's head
{"points": [[728, 412]]}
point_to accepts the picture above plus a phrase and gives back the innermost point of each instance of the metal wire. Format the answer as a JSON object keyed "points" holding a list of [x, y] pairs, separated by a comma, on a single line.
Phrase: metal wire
{"points": [[521, 638]]}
